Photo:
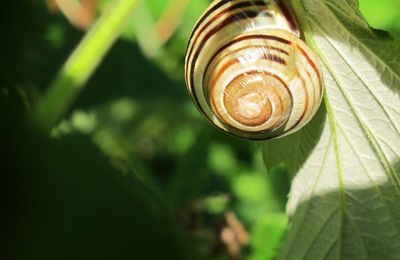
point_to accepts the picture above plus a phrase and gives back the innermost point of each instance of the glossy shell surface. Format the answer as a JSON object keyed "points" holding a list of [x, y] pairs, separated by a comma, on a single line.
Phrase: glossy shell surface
{"points": [[249, 72]]}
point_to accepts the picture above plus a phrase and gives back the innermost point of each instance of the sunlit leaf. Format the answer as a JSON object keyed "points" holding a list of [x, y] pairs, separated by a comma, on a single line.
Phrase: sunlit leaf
{"points": [[346, 186]]}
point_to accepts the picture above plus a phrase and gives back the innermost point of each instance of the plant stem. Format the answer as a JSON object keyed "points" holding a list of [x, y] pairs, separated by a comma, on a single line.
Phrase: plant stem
{"points": [[82, 63]]}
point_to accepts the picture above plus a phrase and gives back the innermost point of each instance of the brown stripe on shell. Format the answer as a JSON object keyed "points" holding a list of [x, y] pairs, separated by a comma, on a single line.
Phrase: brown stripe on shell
{"points": [[314, 101], [306, 105], [226, 22], [254, 37], [285, 85], [226, 66], [273, 57], [207, 14], [216, 17], [218, 6], [229, 44], [313, 65], [250, 37], [288, 14], [248, 73], [276, 77], [201, 20]]}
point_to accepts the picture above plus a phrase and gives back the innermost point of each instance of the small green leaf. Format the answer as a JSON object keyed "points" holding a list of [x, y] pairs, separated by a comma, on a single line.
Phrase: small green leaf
{"points": [[346, 163], [266, 235]]}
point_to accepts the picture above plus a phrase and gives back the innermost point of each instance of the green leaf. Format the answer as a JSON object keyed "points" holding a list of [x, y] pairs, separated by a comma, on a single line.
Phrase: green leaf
{"points": [[266, 235], [346, 163], [382, 14]]}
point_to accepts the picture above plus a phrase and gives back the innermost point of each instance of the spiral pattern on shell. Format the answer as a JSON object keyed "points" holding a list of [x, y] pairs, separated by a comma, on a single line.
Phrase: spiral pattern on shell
{"points": [[249, 72]]}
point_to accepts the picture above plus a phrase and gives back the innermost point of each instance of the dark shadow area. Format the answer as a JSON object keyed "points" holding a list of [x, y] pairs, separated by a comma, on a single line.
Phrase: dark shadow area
{"points": [[34, 46], [61, 199], [126, 72]]}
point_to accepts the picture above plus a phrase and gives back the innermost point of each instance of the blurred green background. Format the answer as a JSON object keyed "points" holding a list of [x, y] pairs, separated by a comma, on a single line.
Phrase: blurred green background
{"points": [[133, 171]]}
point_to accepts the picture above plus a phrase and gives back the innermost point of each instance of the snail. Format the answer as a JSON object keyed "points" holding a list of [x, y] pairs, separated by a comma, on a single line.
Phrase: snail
{"points": [[248, 70]]}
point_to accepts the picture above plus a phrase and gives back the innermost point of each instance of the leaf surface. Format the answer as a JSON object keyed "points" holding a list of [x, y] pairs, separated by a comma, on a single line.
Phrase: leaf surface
{"points": [[345, 164]]}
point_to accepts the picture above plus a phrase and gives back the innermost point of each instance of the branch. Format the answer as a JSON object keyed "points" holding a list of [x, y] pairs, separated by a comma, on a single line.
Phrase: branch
{"points": [[82, 63]]}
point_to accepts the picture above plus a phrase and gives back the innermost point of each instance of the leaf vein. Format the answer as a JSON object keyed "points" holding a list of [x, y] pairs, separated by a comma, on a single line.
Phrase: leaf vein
{"points": [[377, 149], [295, 231]]}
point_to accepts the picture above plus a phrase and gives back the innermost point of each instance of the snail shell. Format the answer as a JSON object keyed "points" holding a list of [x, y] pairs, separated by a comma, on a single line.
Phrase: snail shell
{"points": [[249, 72]]}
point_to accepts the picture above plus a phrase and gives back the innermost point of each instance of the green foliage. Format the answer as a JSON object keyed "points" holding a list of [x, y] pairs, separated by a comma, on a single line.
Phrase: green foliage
{"points": [[382, 14], [132, 171]]}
